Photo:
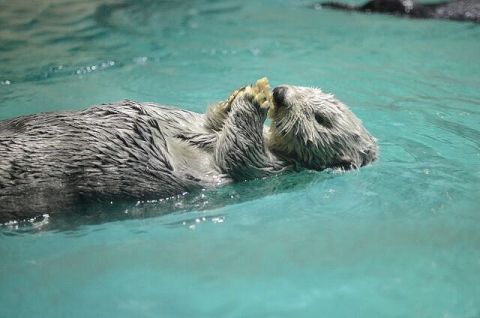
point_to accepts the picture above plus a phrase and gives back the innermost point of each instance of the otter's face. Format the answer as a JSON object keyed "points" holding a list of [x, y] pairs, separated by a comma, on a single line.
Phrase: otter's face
{"points": [[316, 131]]}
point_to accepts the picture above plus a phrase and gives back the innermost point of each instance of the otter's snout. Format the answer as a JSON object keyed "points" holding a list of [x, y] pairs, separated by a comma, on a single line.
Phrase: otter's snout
{"points": [[279, 94]]}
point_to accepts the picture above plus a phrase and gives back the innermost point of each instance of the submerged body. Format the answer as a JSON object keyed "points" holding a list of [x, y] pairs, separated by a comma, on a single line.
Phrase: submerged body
{"points": [[138, 151], [57, 160], [459, 10]]}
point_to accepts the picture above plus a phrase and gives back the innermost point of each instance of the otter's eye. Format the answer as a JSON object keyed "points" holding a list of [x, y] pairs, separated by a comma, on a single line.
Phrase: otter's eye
{"points": [[323, 120]]}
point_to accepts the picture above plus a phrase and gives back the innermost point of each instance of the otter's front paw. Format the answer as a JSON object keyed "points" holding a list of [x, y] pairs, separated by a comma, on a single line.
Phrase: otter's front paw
{"points": [[220, 110], [259, 94], [227, 106]]}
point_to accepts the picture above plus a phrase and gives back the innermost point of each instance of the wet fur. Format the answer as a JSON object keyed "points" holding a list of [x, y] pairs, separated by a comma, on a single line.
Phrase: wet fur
{"points": [[315, 130], [52, 162]]}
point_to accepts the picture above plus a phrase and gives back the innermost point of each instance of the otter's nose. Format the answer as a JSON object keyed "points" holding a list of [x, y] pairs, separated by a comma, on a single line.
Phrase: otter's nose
{"points": [[279, 93]]}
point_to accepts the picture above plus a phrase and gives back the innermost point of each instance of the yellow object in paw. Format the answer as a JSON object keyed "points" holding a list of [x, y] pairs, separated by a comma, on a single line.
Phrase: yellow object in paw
{"points": [[261, 93]]}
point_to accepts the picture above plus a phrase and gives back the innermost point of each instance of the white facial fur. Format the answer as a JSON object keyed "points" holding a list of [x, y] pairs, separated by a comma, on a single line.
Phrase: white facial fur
{"points": [[316, 131]]}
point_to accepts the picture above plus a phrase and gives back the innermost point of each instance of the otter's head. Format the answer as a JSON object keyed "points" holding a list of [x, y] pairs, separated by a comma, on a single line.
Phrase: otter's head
{"points": [[314, 130]]}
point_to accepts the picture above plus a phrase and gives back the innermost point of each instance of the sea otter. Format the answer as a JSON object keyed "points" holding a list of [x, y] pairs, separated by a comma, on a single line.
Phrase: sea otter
{"points": [[460, 10], [51, 162]]}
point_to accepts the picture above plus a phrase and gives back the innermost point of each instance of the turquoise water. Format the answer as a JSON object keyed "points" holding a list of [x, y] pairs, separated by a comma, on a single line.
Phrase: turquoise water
{"points": [[399, 238]]}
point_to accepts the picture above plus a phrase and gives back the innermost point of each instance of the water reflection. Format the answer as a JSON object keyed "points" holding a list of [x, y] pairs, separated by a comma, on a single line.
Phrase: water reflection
{"points": [[205, 200]]}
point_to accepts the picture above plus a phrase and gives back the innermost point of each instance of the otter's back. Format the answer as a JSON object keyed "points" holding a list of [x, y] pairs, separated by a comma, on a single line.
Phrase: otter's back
{"points": [[51, 161]]}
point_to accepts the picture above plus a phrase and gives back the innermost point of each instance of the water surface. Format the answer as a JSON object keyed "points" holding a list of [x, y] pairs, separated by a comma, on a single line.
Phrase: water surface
{"points": [[399, 238]]}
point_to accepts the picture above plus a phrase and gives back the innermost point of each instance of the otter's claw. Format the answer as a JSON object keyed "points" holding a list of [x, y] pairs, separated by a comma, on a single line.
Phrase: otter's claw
{"points": [[260, 94]]}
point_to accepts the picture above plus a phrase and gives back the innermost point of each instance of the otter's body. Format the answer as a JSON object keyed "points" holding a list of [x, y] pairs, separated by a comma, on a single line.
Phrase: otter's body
{"points": [[52, 162], [127, 150], [459, 10]]}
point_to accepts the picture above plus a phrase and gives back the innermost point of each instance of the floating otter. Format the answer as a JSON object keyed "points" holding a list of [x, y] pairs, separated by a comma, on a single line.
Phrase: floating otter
{"points": [[51, 162], [460, 10]]}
